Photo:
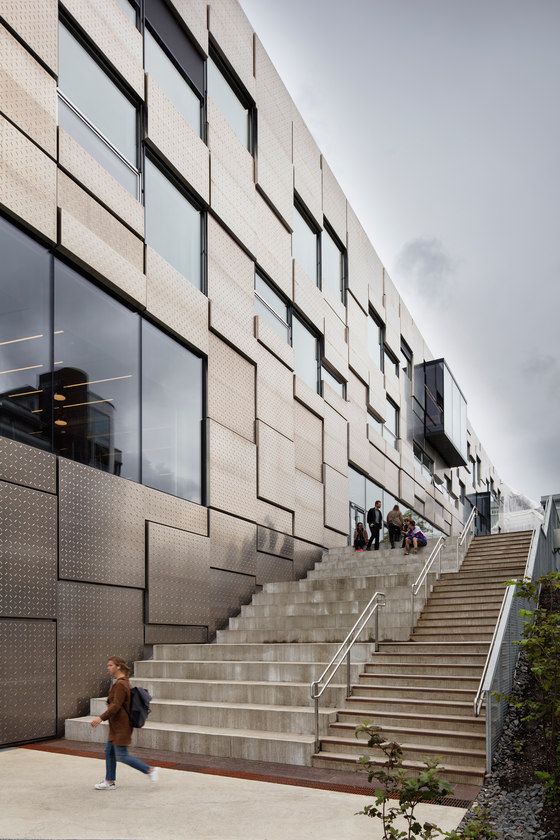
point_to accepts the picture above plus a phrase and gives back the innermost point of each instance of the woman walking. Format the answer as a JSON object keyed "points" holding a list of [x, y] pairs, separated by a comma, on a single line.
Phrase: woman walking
{"points": [[120, 729]]}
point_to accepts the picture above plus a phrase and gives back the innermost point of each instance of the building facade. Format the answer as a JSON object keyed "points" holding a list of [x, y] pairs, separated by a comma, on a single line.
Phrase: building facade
{"points": [[206, 373]]}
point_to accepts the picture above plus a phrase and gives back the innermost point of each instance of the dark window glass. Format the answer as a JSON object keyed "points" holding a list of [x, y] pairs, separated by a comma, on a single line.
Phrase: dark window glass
{"points": [[375, 341], [271, 308], [170, 80], [25, 360], [305, 353], [164, 23], [332, 381], [332, 267], [173, 225], [95, 98], [96, 378], [171, 416], [227, 101], [304, 246]]}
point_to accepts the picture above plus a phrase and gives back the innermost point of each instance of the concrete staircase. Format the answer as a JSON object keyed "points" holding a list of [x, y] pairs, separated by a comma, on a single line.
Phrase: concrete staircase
{"points": [[247, 694], [421, 692]]}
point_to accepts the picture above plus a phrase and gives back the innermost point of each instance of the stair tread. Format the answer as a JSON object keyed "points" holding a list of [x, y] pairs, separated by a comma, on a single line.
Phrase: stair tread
{"points": [[407, 763], [334, 739], [380, 713], [224, 704], [408, 730], [414, 701], [195, 681]]}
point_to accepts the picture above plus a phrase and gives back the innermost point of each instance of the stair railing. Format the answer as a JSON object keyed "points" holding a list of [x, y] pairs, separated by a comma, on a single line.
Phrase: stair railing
{"points": [[344, 652], [466, 533], [423, 577], [497, 676]]}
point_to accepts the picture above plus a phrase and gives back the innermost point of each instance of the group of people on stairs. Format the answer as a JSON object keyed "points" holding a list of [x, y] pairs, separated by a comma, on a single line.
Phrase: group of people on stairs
{"points": [[398, 527]]}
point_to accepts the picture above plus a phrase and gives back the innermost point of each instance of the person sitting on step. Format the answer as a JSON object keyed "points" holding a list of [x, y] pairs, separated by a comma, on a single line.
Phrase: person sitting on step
{"points": [[360, 537], [414, 538]]}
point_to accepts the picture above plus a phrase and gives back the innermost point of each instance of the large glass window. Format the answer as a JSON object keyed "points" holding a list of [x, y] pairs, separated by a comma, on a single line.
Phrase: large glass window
{"points": [[271, 307], [173, 225], [305, 246], [391, 425], [171, 416], [376, 339], [306, 353], [96, 112], [332, 266], [227, 100], [426, 463], [172, 82], [25, 331], [96, 379]]}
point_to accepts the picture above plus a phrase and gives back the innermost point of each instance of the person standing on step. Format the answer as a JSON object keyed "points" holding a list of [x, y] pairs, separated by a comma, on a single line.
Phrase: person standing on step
{"points": [[375, 522], [395, 525], [120, 728]]}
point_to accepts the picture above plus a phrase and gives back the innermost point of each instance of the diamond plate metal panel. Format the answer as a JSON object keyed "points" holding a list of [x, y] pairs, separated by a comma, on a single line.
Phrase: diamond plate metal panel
{"points": [[336, 500], [308, 298], [308, 515], [357, 338], [232, 468], [94, 623], [273, 342], [27, 680], [178, 582], [176, 141], [231, 389], [308, 441], [175, 302], [95, 178], [334, 201], [39, 31], [114, 35], [270, 568], [108, 265], [335, 447], [27, 93], [275, 392], [305, 557], [274, 542], [363, 263], [307, 168], [171, 510], [228, 592], [27, 181], [26, 465], [233, 543], [27, 552], [273, 246], [174, 634], [276, 467], [274, 517], [233, 32]]}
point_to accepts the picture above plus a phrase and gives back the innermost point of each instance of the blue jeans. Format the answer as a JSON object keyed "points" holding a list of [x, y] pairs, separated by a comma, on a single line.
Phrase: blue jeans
{"points": [[114, 753]]}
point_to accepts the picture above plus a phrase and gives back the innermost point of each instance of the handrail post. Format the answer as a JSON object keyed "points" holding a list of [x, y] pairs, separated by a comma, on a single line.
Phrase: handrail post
{"points": [[317, 724], [412, 609], [348, 689], [376, 643]]}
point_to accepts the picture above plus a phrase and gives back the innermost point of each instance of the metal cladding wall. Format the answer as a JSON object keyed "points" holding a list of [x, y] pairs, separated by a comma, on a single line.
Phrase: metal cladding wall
{"points": [[92, 564]]}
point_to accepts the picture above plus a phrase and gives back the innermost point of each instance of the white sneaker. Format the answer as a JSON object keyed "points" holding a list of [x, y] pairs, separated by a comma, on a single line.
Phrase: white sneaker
{"points": [[105, 785], [154, 774]]}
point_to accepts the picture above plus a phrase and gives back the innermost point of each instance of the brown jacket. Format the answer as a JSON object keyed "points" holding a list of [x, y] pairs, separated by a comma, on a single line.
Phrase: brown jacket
{"points": [[118, 704], [394, 517]]}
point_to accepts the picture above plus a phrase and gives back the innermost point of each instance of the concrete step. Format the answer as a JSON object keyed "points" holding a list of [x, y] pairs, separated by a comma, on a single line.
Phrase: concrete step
{"points": [[343, 742], [458, 739], [310, 609], [206, 740], [450, 599], [431, 665], [375, 689], [458, 620], [325, 595], [355, 582], [400, 565], [482, 575], [346, 761], [417, 720], [442, 648], [439, 634], [312, 652], [293, 635], [388, 678], [449, 612], [340, 621], [228, 670], [434, 659], [465, 588], [456, 708]]}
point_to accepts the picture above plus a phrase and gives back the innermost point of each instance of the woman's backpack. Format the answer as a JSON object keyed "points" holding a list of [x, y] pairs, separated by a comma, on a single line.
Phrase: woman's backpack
{"points": [[139, 706]]}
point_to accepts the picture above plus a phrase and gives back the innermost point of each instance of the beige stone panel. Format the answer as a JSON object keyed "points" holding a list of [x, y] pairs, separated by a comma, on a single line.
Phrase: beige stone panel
{"points": [[335, 348], [276, 467], [27, 181], [336, 500], [334, 400], [335, 444], [72, 198], [376, 465], [309, 397], [274, 517], [334, 539], [231, 389], [273, 101], [27, 93], [232, 472], [419, 491], [334, 202], [406, 488], [274, 173], [308, 297], [392, 452], [357, 364], [376, 439], [308, 441], [273, 245], [375, 285], [176, 141], [233, 543], [361, 260], [175, 302], [308, 515], [273, 342], [358, 445], [114, 35], [232, 197], [334, 304], [307, 168], [228, 24], [391, 478], [275, 403], [357, 338], [377, 400], [393, 385], [39, 30], [195, 15], [87, 171], [110, 267], [430, 509]]}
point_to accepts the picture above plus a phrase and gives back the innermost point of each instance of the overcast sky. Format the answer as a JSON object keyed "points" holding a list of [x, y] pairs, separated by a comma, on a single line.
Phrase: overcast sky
{"points": [[441, 121]]}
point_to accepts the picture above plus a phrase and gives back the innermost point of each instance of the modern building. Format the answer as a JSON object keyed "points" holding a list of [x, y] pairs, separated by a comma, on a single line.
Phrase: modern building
{"points": [[206, 373]]}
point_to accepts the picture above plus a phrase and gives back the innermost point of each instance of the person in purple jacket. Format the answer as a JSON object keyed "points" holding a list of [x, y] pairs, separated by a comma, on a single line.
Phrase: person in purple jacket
{"points": [[414, 538]]}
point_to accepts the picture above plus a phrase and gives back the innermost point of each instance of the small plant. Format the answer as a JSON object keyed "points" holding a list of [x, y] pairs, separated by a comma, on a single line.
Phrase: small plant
{"points": [[395, 782]]}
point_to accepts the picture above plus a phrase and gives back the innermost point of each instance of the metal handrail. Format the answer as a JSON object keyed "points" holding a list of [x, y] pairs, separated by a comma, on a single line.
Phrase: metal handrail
{"points": [[465, 531], [493, 651], [423, 576], [343, 652]]}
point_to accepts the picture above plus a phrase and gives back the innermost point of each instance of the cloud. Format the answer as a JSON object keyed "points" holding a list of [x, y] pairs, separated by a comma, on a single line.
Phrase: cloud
{"points": [[425, 264]]}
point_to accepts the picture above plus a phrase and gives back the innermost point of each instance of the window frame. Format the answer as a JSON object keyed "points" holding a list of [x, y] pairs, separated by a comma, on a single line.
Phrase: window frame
{"points": [[295, 315], [329, 231], [266, 280], [216, 55], [381, 337], [407, 354], [387, 433], [302, 210], [330, 373]]}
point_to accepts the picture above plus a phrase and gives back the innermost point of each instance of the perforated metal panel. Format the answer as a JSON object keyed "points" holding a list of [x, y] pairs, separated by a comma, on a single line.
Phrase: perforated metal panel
{"points": [[273, 246], [233, 543], [173, 634], [26, 465], [275, 393], [27, 552], [308, 516], [231, 389], [307, 168], [233, 472], [233, 32], [274, 542], [334, 202], [39, 30], [27, 680], [336, 500], [276, 467], [271, 568], [94, 623], [178, 582], [308, 442], [305, 557], [228, 591]]}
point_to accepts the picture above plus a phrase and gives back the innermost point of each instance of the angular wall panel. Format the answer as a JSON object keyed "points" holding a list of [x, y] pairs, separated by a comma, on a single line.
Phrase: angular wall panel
{"points": [[308, 441], [335, 446], [27, 680], [308, 515], [275, 391], [231, 389], [334, 202], [39, 30], [336, 500], [233, 543], [233, 32], [274, 517], [274, 343], [174, 634], [274, 542], [271, 568], [307, 168], [305, 557], [273, 246], [26, 465], [228, 591], [232, 469], [276, 466], [361, 260], [27, 552], [195, 15]]}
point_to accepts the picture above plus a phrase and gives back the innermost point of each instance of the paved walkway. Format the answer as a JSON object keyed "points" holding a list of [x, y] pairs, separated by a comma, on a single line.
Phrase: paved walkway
{"points": [[48, 795]]}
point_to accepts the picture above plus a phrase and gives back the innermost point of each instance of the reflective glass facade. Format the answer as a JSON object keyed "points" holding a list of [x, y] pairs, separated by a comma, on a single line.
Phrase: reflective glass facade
{"points": [[158, 64], [445, 413], [228, 102]]}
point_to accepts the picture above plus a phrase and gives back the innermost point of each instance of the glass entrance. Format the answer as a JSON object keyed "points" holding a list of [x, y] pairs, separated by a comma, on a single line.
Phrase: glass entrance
{"points": [[357, 514]]}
